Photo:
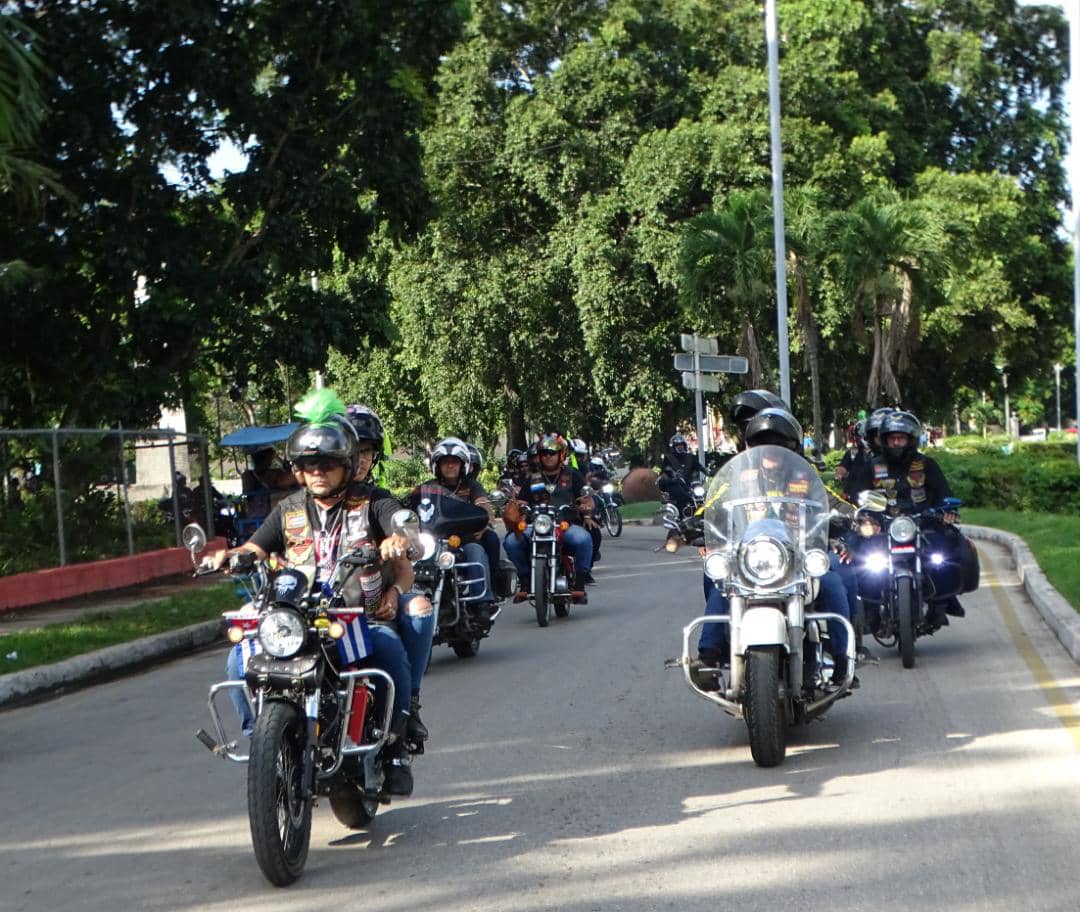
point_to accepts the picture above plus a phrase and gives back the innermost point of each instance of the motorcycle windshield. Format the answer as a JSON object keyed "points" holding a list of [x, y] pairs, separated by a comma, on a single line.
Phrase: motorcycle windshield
{"points": [[767, 490]]}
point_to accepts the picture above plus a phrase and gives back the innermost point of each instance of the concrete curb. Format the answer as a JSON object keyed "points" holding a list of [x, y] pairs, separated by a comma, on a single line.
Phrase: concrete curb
{"points": [[1058, 614], [45, 681]]}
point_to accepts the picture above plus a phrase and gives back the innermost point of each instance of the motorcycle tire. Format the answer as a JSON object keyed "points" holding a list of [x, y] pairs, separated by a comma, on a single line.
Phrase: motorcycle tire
{"points": [[562, 607], [541, 599], [466, 649], [905, 621], [351, 807], [613, 520], [278, 812], [763, 707]]}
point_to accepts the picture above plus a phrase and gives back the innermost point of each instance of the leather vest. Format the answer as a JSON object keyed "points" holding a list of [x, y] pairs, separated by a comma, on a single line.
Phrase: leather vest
{"points": [[897, 488]]}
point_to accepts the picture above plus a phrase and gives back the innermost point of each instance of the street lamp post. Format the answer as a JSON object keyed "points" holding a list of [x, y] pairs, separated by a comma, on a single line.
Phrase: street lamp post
{"points": [[1057, 393], [1005, 390], [778, 199]]}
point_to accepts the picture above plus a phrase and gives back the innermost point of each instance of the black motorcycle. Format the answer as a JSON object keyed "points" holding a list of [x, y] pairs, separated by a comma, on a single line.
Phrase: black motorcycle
{"points": [[442, 573], [904, 563], [320, 725]]}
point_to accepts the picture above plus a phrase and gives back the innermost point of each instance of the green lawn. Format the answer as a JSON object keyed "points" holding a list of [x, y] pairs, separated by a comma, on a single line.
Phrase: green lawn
{"points": [[1052, 537], [62, 640], [643, 510]]}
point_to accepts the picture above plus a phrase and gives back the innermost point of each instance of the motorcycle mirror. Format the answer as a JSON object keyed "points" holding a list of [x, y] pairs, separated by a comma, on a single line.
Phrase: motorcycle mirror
{"points": [[498, 499], [405, 522], [194, 538], [951, 504], [586, 492], [876, 501]]}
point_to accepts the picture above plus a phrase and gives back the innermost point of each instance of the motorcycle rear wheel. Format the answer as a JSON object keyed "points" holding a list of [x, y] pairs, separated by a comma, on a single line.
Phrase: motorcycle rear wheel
{"points": [[540, 593], [278, 812], [763, 707], [351, 807], [905, 621], [613, 520]]}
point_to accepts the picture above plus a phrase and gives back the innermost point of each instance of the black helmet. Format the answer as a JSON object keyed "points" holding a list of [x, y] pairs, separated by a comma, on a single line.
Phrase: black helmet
{"points": [[775, 426], [476, 462], [900, 423], [873, 425], [676, 441], [330, 441], [367, 426], [749, 402]]}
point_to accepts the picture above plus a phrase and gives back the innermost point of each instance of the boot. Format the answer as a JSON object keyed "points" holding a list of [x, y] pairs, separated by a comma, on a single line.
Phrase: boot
{"points": [[524, 592], [397, 777], [952, 606], [839, 675], [580, 598], [415, 730]]}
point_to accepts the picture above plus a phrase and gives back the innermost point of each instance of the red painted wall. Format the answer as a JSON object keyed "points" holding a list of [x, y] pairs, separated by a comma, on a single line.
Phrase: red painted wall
{"points": [[23, 589]]}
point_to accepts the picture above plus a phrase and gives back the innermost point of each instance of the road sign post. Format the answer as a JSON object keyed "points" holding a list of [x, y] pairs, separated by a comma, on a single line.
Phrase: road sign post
{"points": [[697, 364]]}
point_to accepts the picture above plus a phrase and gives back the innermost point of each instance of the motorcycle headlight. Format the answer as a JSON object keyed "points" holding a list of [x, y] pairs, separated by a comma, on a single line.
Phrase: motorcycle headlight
{"points": [[816, 562], [717, 565], [446, 560], [876, 562], [543, 524], [764, 561], [609, 488], [937, 559], [282, 633], [903, 529], [699, 490]]}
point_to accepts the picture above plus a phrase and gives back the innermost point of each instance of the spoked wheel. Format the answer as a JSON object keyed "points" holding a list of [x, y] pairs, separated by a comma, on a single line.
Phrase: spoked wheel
{"points": [[613, 520], [562, 607], [764, 710], [540, 593], [905, 621], [351, 807], [279, 814]]}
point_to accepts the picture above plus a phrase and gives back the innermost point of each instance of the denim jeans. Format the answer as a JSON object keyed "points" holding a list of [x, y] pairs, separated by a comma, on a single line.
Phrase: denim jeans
{"points": [[478, 576], [416, 632], [239, 701], [576, 540]]}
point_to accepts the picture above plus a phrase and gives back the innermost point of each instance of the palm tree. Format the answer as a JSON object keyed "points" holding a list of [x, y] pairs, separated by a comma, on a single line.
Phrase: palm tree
{"points": [[727, 257], [884, 246]]}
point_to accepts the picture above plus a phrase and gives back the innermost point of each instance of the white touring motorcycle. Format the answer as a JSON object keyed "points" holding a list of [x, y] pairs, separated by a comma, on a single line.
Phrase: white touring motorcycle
{"points": [[766, 522]]}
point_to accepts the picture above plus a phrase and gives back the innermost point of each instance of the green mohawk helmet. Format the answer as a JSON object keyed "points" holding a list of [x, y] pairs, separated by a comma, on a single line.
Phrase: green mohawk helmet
{"points": [[320, 408]]}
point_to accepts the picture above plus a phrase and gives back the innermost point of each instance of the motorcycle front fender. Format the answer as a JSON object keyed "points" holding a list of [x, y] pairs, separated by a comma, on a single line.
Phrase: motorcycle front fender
{"points": [[762, 627]]}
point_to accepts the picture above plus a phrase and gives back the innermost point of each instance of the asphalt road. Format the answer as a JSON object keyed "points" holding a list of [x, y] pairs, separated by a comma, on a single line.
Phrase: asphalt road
{"points": [[569, 771]]}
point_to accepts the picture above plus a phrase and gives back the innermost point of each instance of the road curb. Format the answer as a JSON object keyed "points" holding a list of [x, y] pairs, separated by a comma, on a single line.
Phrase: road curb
{"points": [[46, 681], [1058, 614]]}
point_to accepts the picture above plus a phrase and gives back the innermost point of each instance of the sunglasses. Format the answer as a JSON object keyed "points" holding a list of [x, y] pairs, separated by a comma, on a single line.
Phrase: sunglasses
{"points": [[549, 452], [322, 464]]}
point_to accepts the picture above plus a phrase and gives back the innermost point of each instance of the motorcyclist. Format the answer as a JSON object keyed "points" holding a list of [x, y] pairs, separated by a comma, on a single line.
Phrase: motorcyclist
{"points": [[913, 483], [855, 457], [565, 485], [449, 462], [775, 427], [331, 514], [679, 470]]}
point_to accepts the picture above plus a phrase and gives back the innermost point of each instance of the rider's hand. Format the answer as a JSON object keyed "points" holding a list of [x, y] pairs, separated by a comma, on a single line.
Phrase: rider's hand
{"points": [[394, 547], [214, 561], [388, 604], [950, 516]]}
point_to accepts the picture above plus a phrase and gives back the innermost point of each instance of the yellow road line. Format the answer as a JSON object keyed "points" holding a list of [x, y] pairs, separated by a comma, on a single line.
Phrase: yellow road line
{"points": [[1055, 695]]}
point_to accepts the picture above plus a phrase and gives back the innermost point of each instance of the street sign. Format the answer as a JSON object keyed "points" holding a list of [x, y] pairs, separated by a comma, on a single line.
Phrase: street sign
{"points": [[705, 383], [712, 364], [693, 342]]}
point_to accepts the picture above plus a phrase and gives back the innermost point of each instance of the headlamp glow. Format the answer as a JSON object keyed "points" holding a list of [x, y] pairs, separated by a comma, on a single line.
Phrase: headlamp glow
{"points": [[876, 562], [717, 565], [816, 562]]}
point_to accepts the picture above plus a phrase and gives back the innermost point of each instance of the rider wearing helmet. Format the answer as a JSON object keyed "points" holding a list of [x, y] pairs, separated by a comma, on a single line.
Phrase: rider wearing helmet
{"points": [[856, 457], [452, 481], [679, 470], [334, 513], [746, 405], [579, 454], [565, 485], [913, 482], [777, 427]]}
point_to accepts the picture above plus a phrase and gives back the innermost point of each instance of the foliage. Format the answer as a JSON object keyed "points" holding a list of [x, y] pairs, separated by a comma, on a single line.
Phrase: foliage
{"points": [[1034, 478]]}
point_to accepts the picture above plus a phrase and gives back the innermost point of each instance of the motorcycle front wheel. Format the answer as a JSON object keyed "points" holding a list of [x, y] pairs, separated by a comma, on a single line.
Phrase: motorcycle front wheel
{"points": [[613, 520], [279, 814], [351, 807], [540, 592], [905, 621], [764, 708]]}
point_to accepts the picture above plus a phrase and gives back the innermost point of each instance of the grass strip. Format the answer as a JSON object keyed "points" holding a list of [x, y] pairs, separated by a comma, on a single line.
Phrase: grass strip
{"points": [[1052, 538], [642, 510], [64, 639]]}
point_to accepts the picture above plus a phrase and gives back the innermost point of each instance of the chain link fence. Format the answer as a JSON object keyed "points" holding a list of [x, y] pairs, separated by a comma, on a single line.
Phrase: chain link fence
{"points": [[71, 494]]}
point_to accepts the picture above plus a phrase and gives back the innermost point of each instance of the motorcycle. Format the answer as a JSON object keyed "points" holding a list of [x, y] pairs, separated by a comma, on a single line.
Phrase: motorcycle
{"points": [[318, 728], [192, 509], [553, 570], [608, 501], [903, 563], [766, 551], [445, 522]]}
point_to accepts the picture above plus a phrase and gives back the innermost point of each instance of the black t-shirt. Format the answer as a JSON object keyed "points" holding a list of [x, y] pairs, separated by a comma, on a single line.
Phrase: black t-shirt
{"points": [[270, 536], [566, 484]]}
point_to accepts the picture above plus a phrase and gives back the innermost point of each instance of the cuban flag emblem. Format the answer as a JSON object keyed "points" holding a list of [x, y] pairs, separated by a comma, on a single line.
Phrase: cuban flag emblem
{"points": [[356, 644], [246, 650]]}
